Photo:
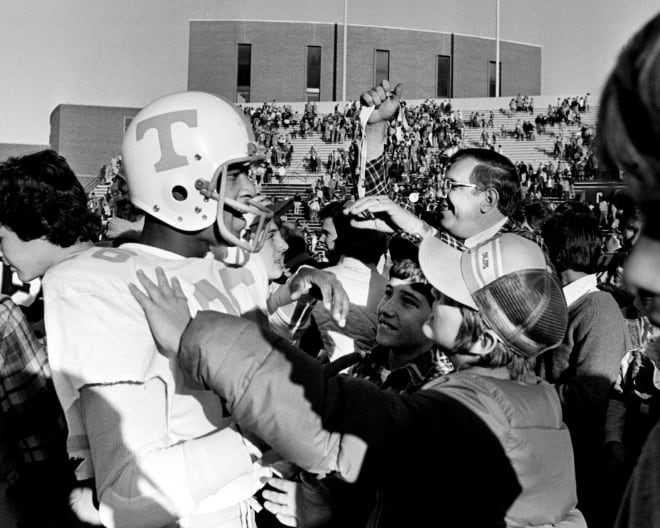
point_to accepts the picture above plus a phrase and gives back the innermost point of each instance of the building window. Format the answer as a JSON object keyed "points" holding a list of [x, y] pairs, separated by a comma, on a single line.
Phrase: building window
{"points": [[313, 90], [382, 66], [491, 79], [127, 123], [443, 88], [243, 73]]}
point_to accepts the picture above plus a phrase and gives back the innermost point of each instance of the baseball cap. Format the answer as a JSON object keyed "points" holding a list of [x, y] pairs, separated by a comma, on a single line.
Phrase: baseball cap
{"points": [[507, 279]]}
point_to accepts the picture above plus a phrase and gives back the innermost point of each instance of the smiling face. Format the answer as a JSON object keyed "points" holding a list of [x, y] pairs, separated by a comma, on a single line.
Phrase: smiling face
{"points": [[401, 314], [461, 211], [29, 259], [273, 250]]}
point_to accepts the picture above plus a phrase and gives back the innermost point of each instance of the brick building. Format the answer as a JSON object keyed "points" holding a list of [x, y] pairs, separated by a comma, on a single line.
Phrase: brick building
{"points": [[290, 62]]}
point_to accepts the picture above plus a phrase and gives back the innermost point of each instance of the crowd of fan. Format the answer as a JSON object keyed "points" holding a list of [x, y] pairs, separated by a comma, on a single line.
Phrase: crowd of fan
{"points": [[434, 131]]}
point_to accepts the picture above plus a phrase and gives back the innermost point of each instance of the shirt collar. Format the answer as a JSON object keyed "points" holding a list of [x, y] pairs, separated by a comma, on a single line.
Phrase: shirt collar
{"points": [[580, 287], [486, 234]]}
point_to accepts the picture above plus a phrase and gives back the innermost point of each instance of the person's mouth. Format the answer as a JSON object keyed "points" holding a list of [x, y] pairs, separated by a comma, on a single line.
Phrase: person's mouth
{"points": [[383, 323]]}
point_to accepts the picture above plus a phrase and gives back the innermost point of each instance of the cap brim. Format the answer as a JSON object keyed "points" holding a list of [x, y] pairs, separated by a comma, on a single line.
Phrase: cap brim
{"points": [[441, 265]]}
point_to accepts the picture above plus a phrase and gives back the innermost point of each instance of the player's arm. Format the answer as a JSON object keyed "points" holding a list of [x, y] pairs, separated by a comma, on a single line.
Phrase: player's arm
{"points": [[141, 480]]}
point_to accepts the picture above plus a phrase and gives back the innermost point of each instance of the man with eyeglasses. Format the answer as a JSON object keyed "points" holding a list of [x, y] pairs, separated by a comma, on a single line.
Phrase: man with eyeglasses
{"points": [[479, 192]]}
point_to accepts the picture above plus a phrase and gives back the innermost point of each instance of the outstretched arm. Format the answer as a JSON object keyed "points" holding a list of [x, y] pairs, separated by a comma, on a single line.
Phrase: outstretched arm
{"points": [[382, 214], [276, 390]]}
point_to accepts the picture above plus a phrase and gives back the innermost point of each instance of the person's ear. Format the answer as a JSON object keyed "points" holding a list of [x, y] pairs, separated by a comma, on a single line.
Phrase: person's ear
{"points": [[491, 198], [486, 343]]}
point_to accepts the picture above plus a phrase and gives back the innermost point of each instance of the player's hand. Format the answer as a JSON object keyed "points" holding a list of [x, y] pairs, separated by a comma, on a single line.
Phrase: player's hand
{"points": [[334, 297], [81, 503], [166, 309], [307, 503], [385, 101], [281, 501], [382, 214]]}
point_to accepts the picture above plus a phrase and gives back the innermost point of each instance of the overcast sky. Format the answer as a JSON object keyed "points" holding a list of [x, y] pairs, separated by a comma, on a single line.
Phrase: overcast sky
{"points": [[128, 52]]}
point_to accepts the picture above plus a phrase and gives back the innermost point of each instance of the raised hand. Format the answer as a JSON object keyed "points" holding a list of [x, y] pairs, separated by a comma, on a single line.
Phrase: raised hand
{"points": [[166, 308], [385, 101]]}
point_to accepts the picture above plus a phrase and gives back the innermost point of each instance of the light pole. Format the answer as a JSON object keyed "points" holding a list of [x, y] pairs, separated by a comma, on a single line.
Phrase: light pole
{"points": [[497, 49], [343, 69]]}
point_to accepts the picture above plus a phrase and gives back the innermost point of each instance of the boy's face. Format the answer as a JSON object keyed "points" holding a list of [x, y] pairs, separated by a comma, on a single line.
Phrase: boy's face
{"points": [[443, 323], [29, 259], [273, 250], [328, 233], [401, 313], [239, 187]]}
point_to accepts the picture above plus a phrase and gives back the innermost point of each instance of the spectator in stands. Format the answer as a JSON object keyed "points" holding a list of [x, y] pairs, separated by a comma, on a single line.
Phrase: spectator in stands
{"points": [[313, 160], [627, 138], [358, 259], [585, 366]]}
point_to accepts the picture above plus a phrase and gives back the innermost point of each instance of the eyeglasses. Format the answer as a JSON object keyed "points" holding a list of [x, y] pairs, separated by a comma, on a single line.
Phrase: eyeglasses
{"points": [[446, 186]]}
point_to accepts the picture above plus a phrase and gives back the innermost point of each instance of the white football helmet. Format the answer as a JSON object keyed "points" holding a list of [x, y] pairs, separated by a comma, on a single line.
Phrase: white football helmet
{"points": [[175, 154]]}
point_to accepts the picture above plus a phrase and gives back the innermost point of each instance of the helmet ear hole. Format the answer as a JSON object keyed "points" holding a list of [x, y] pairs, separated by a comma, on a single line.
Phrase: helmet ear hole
{"points": [[179, 193]]}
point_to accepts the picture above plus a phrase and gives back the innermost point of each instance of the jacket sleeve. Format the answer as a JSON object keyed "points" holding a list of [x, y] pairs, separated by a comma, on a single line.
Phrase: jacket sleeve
{"points": [[321, 423], [593, 365]]}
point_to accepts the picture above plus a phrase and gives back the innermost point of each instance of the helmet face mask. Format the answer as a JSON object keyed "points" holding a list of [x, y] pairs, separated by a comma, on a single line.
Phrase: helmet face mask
{"points": [[175, 154], [255, 214]]}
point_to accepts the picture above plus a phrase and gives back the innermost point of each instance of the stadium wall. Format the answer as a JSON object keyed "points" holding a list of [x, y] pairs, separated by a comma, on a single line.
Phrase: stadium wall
{"points": [[88, 136], [279, 60]]}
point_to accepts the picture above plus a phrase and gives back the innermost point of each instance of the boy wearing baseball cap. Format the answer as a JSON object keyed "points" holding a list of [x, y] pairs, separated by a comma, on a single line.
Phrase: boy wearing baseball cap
{"points": [[488, 441]]}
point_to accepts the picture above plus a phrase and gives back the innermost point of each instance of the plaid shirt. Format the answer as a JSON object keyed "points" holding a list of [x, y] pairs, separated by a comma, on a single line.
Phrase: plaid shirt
{"points": [[511, 226], [31, 412], [408, 378], [376, 181]]}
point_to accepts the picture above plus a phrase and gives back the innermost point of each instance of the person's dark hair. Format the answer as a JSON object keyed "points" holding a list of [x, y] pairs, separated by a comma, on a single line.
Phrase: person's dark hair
{"points": [[494, 171], [409, 270], [470, 331], [40, 197], [574, 207], [573, 241], [366, 245], [628, 130], [125, 209], [536, 213], [330, 210]]}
